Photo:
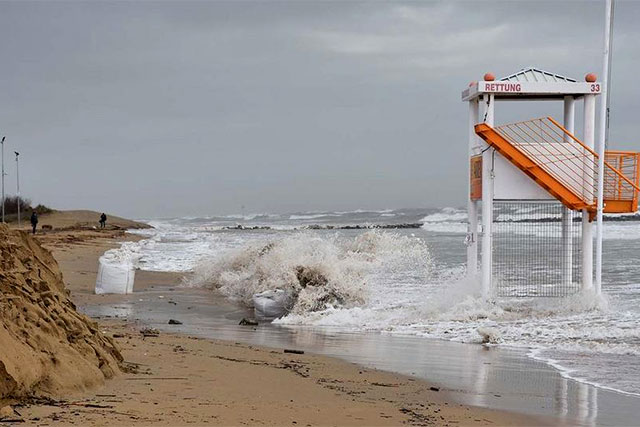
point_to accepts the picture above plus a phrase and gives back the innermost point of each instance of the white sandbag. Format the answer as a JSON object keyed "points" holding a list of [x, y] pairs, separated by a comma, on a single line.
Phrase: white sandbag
{"points": [[269, 305], [117, 269], [115, 278]]}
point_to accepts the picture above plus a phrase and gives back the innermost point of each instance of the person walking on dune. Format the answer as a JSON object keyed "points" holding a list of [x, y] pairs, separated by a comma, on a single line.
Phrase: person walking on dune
{"points": [[34, 221], [103, 220]]}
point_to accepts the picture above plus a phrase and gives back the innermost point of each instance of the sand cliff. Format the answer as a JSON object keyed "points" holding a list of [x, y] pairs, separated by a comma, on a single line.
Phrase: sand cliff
{"points": [[46, 346]]}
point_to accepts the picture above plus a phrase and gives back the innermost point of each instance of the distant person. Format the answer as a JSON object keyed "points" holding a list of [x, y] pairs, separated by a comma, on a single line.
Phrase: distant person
{"points": [[34, 221], [103, 220]]}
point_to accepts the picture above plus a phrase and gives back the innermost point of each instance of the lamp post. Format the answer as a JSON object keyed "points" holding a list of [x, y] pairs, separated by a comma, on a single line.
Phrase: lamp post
{"points": [[18, 184], [2, 143]]}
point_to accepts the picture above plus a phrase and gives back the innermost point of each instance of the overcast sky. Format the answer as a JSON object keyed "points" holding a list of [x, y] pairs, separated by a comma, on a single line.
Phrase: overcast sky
{"points": [[155, 109]]}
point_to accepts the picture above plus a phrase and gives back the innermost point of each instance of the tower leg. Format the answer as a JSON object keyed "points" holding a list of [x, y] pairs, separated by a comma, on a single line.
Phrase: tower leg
{"points": [[472, 205], [487, 203], [587, 226], [567, 243], [587, 251], [567, 248]]}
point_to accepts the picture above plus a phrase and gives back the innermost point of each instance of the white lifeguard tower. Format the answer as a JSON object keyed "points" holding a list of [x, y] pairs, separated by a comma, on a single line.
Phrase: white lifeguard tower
{"points": [[536, 183]]}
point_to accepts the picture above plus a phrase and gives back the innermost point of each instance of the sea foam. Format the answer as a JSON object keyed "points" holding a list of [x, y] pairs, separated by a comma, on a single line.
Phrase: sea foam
{"points": [[344, 267]]}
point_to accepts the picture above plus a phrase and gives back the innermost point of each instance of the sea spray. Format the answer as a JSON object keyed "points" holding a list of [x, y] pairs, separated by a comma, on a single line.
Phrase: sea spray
{"points": [[320, 272]]}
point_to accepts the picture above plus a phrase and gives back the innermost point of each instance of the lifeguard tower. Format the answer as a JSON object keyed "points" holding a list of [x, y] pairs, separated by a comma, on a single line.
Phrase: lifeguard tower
{"points": [[536, 184]]}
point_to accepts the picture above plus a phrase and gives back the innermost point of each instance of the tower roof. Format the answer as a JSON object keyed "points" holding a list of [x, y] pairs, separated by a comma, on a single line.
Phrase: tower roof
{"points": [[533, 74], [531, 83]]}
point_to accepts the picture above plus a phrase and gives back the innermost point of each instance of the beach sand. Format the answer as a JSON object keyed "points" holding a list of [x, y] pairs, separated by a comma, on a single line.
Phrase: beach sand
{"points": [[172, 379], [75, 220]]}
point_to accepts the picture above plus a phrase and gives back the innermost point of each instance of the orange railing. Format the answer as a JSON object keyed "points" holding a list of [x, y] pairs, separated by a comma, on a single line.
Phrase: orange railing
{"points": [[574, 165], [617, 190]]}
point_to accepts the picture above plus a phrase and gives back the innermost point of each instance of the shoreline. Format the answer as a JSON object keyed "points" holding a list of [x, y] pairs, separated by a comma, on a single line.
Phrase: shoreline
{"points": [[326, 390]]}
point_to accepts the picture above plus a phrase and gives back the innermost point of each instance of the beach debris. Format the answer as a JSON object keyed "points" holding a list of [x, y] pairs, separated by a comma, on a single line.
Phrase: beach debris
{"points": [[288, 350], [130, 367], [434, 388], [174, 322], [9, 415], [248, 322], [385, 384], [90, 405], [416, 418], [298, 368], [149, 332]]}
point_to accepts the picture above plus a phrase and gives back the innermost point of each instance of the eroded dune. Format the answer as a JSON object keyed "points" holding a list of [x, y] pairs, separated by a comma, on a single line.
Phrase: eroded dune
{"points": [[46, 346]]}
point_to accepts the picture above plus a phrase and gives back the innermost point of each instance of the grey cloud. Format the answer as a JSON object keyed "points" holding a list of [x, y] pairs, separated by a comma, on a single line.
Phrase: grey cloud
{"points": [[174, 108]]}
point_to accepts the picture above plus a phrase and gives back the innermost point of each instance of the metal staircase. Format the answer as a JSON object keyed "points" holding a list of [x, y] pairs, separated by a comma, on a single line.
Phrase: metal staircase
{"points": [[564, 166]]}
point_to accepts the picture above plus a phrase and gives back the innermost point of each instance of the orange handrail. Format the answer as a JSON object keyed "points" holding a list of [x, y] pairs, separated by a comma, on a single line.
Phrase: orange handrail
{"points": [[620, 174], [564, 166]]}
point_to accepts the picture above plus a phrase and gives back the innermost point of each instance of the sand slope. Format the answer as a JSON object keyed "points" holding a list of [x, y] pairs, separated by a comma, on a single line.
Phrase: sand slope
{"points": [[83, 219], [46, 346]]}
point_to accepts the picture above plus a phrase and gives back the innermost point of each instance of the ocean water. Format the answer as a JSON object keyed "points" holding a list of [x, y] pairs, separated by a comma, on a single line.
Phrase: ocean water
{"points": [[408, 281]]}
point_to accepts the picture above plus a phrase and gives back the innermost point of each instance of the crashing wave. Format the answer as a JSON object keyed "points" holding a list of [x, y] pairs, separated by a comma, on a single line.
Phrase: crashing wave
{"points": [[317, 273]]}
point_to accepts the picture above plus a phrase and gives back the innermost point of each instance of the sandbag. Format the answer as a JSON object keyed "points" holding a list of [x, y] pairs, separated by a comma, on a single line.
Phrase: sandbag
{"points": [[117, 270], [115, 278], [269, 305]]}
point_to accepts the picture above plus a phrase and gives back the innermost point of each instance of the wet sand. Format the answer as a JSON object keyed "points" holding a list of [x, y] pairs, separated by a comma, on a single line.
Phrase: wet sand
{"points": [[179, 378], [474, 375]]}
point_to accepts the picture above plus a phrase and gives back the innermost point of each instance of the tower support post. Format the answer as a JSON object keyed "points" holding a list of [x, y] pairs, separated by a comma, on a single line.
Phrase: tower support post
{"points": [[587, 225], [487, 201], [567, 225], [472, 205]]}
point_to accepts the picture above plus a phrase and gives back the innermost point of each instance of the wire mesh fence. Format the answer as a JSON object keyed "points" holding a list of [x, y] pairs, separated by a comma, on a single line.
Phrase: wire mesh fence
{"points": [[536, 249]]}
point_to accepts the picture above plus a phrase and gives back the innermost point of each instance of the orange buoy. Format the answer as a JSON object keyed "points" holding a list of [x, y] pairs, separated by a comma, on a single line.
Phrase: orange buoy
{"points": [[489, 77], [591, 77]]}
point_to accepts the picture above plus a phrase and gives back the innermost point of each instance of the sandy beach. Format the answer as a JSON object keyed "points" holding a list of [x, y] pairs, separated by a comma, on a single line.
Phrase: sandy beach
{"points": [[172, 379], [319, 213]]}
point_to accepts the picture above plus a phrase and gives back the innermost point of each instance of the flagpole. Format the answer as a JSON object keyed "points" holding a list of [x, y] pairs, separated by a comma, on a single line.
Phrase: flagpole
{"points": [[601, 141], [606, 135]]}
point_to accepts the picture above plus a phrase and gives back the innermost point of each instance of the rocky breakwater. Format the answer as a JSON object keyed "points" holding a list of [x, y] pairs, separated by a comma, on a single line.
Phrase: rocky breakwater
{"points": [[47, 348]]}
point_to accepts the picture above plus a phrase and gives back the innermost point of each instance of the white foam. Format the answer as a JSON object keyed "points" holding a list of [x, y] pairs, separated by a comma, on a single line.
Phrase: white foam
{"points": [[347, 265], [312, 216], [447, 215], [128, 254], [445, 227]]}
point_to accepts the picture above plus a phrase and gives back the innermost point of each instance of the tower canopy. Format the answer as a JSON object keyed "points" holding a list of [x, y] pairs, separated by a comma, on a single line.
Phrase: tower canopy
{"points": [[531, 83]]}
